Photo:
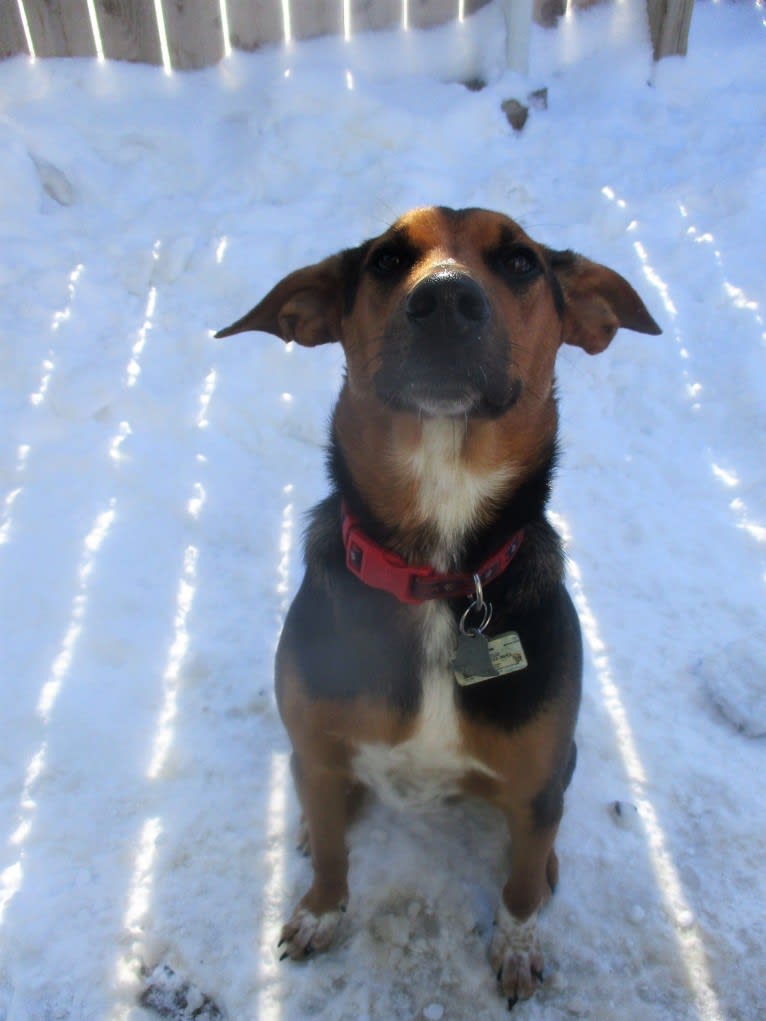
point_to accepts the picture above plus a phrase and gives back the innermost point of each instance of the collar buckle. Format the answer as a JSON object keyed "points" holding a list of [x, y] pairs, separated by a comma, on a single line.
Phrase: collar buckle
{"points": [[379, 568]]}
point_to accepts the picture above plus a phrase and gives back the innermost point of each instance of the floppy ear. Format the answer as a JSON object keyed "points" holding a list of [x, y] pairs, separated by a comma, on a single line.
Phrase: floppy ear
{"points": [[597, 302], [306, 306]]}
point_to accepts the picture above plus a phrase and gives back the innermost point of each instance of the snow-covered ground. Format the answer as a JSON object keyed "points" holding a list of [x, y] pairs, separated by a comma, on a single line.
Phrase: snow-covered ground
{"points": [[153, 482]]}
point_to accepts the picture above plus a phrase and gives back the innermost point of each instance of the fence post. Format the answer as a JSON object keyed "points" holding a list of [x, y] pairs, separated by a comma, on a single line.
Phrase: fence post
{"points": [[669, 22], [518, 22]]}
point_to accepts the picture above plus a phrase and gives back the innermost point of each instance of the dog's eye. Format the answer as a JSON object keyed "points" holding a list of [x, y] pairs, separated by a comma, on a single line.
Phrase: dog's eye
{"points": [[520, 262], [387, 262]]}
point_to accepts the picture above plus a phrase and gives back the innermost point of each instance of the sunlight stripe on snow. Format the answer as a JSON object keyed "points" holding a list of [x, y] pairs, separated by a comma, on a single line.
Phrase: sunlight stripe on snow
{"points": [[739, 300], [285, 549], [123, 431], [655, 280], [5, 521], [692, 387], [12, 877], [737, 297], [22, 456], [687, 933], [37, 399], [184, 599], [171, 676], [141, 881], [47, 367], [65, 313], [140, 891], [10, 499], [138, 905], [61, 316], [63, 661], [746, 522], [134, 365], [205, 398], [274, 866]]}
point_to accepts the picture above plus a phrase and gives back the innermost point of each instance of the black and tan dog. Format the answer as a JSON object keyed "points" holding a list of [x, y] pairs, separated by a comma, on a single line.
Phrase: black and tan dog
{"points": [[432, 648]]}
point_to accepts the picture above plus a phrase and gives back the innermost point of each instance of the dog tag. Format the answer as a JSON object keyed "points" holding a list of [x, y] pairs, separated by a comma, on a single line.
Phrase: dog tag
{"points": [[472, 657], [504, 655]]}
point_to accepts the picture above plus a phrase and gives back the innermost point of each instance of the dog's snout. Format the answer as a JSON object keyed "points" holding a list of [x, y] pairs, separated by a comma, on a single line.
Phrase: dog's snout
{"points": [[448, 299]]}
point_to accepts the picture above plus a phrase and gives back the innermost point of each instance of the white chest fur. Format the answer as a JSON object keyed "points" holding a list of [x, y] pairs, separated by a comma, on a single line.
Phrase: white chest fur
{"points": [[428, 766], [450, 493]]}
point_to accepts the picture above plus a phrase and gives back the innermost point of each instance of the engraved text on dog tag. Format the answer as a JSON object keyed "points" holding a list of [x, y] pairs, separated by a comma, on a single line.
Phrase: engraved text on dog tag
{"points": [[490, 658]]}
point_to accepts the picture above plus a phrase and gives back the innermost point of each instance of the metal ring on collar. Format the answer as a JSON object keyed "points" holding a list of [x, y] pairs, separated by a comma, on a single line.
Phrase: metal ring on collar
{"points": [[485, 609]]}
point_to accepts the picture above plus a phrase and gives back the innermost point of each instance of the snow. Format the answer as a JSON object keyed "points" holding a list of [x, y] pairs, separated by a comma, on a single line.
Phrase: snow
{"points": [[153, 483]]}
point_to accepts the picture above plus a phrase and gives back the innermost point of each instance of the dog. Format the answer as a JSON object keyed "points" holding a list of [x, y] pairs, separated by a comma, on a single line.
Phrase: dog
{"points": [[432, 649]]}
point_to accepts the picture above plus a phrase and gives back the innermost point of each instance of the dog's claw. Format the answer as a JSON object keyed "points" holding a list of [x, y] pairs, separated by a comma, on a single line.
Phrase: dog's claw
{"points": [[512, 1001], [537, 974], [284, 956]]}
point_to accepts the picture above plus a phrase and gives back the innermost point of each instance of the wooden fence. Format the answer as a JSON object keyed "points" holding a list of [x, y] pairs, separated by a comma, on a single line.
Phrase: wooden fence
{"points": [[181, 34], [195, 33]]}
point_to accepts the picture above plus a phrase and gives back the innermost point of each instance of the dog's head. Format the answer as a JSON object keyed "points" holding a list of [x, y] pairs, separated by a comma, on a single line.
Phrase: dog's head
{"points": [[451, 313]]}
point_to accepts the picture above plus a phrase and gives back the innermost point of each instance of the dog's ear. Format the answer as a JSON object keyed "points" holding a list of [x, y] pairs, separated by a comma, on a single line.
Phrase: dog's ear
{"points": [[306, 306], [596, 303]]}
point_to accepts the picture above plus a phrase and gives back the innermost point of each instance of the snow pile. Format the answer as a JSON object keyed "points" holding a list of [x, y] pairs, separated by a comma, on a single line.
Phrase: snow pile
{"points": [[153, 481]]}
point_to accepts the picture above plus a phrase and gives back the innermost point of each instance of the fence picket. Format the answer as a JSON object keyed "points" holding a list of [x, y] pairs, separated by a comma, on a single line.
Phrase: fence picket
{"points": [[60, 28], [195, 36], [129, 30], [323, 17], [12, 39], [427, 13], [255, 24]]}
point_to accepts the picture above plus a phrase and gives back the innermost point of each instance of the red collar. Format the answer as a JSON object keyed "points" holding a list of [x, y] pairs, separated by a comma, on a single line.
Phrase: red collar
{"points": [[379, 568]]}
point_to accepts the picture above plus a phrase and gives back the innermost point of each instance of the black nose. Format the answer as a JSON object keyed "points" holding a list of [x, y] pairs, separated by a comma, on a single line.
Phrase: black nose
{"points": [[448, 300]]}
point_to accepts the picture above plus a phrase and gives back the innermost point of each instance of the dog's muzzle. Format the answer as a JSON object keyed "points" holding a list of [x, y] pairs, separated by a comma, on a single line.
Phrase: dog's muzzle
{"points": [[443, 355]]}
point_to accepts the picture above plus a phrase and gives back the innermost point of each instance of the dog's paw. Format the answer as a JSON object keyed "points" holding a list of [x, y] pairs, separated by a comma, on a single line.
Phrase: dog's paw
{"points": [[306, 933], [515, 956]]}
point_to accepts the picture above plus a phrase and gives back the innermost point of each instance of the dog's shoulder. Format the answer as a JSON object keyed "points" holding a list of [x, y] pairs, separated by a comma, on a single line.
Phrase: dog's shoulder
{"points": [[347, 640]]}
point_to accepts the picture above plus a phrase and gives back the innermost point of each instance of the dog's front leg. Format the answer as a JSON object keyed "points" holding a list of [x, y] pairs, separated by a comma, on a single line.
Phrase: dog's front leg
{"points": [[327, 798], [515, 952]]}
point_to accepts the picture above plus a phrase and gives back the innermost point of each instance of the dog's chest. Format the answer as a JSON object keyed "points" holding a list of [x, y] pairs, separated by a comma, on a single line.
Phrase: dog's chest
{"points": [[450, 492], [430, 765]]}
